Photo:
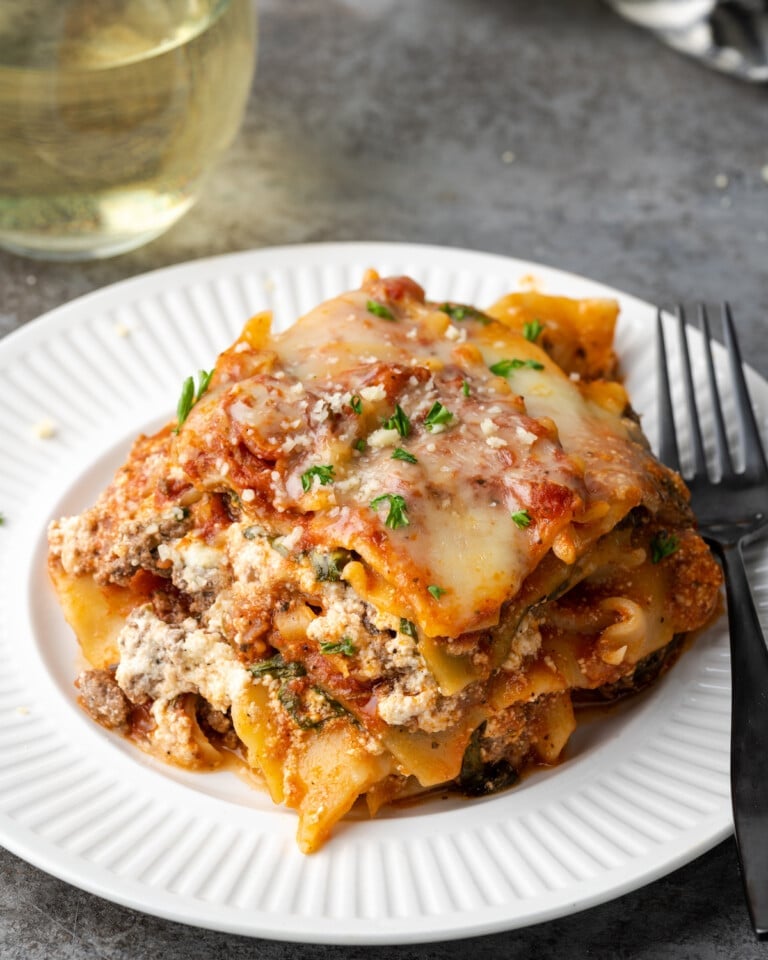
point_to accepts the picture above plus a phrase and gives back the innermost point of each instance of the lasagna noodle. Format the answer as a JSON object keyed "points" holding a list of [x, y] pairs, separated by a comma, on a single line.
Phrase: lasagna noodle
{"points": [[383, 552]]}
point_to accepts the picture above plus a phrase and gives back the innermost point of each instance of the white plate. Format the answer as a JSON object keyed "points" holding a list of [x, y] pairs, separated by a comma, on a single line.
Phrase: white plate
{"points": [[641, 792]]}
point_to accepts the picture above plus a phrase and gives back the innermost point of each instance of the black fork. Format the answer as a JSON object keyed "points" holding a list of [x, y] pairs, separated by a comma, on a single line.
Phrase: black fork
{"points": [[731, 509]]}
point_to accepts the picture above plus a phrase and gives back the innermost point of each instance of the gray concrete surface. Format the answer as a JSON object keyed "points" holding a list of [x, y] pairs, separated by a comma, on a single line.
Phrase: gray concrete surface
{"points": [[390, 120]]}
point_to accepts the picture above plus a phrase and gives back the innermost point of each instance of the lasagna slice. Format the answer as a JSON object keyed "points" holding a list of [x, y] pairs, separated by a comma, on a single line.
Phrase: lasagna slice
{"points": [[385, 550]]}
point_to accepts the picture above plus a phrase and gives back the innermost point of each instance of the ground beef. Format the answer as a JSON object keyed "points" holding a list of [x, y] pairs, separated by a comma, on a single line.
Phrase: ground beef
{"points": [[217, 726], [217, 720], [103, 700], [170, 605], [134, 547]]}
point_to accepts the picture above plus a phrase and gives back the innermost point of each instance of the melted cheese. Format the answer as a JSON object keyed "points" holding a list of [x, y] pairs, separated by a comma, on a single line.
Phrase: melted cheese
{"points": [[337, 377]]}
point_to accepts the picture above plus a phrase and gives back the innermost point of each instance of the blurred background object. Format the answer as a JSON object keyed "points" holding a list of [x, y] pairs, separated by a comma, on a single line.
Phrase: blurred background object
{"points": [[111, 114], [730, 35]]}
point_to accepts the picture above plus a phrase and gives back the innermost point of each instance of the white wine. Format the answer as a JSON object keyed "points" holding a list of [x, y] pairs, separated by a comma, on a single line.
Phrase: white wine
{"points": [[111, 114]]}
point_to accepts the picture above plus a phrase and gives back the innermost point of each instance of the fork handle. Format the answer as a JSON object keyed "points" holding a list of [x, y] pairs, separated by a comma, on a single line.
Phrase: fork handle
{"points": [[749, 737]]}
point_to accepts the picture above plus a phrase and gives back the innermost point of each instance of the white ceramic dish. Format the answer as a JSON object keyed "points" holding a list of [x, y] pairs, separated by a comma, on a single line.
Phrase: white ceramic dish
{"points": [[639, 794]]}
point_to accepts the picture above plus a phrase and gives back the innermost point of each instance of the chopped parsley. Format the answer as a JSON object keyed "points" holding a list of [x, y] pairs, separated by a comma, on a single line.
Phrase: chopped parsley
{"points": [[324, 474], [189, 395], [356, 402], [458, 312], [408, 628], [397, 516], [522, 519], [437, 416], [398, 421], [277, 667], [253, 531], [504, 367], [360, 445], [2, 519], [532, 329], [663, 545], [436, 591], [343, 646], [399, 454], [465, 388], [379, 310]]}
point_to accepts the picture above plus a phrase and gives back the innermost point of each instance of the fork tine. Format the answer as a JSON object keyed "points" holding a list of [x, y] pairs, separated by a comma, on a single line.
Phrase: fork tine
{"points": [[721, 437], [754, 457], [668, 450], [699, 457]]}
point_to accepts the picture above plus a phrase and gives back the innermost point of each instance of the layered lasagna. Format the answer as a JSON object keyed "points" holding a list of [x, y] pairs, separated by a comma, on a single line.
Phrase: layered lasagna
{"points": [[384, 551]]}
